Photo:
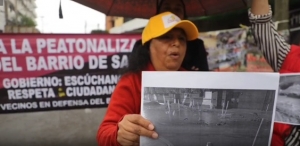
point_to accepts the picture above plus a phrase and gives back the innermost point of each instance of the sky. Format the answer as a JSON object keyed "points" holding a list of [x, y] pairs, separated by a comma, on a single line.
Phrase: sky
{"points": [[75, 17]]}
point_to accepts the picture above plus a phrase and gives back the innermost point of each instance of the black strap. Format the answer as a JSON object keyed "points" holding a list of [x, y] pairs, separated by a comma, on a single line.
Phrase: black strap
{"points": [[60, 11], [294, 138]]}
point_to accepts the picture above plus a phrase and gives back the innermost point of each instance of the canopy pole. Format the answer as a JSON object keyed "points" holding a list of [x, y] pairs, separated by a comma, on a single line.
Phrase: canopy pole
{"points": [[60, 11]]}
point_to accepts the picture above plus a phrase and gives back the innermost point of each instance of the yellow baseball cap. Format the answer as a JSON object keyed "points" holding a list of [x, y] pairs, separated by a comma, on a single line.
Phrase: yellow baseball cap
{"points": [[160, 24]]}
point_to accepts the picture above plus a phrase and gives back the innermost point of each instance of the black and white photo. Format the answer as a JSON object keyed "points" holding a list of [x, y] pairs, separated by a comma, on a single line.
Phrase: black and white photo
{"points": [[212, 111], [287, 106]]}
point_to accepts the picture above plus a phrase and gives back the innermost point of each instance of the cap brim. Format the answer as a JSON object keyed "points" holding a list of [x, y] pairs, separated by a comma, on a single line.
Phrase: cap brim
{"points": [[188, 27]]}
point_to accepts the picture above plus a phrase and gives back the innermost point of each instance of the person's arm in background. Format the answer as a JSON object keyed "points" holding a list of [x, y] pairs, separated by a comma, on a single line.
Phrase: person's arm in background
{"points": [[269, 41], [277, 52]]}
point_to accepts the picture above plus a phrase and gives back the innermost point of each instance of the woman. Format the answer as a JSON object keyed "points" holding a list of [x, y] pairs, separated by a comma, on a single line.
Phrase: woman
{"points": [[164, 45], [196, 55], [282, 57]]}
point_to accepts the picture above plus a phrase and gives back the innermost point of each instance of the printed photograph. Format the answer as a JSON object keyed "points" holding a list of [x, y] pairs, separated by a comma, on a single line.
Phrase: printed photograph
{"points": [[288, 101], [208, 117]]}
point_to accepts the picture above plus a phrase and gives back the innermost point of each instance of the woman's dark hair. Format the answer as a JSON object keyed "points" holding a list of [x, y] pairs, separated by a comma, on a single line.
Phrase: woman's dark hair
{"points": [[160, 2], [138, 59]]}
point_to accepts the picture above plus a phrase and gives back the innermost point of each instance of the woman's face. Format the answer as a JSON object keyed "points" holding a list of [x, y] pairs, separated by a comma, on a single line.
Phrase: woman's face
{"points": [[167, 52]]}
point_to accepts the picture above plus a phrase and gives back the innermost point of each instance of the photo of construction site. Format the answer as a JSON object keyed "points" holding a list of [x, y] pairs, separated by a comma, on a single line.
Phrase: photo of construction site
{"points": [[208, 117], [287, 106]]}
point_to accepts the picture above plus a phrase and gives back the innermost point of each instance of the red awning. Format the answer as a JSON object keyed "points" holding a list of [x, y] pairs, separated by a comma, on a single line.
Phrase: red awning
{"points": [[147, 8]]}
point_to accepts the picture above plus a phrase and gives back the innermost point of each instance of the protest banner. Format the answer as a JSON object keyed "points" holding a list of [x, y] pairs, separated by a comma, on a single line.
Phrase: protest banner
{"points": [[55, 72], [234, 50]]}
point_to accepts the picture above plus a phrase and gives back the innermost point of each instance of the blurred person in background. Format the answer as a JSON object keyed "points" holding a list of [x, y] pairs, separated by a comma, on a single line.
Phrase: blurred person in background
{"points": [[196, 55], [282, 57]]}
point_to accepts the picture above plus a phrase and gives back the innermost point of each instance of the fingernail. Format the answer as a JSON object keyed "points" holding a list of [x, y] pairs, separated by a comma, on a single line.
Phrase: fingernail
{"points": [[151, 127], [154, 135]]}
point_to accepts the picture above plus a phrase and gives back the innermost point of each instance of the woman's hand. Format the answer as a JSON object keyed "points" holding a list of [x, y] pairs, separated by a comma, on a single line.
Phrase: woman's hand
{"points": [[132, 127]]}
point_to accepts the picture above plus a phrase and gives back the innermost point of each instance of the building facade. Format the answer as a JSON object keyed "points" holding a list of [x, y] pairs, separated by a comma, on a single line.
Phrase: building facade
{"points": [[119, 25], [2, 16], [18, 16]]}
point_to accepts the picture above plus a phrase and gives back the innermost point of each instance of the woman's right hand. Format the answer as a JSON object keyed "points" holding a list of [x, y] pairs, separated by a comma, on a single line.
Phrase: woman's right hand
{"points": [[132, 127]]}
